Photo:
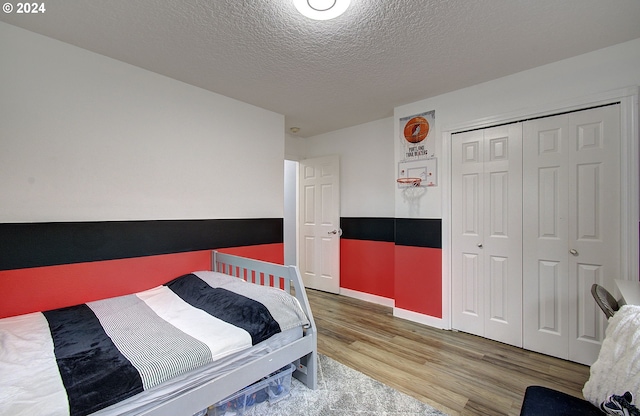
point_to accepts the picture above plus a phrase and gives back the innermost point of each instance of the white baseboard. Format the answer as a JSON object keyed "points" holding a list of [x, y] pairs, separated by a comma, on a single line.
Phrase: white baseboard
{"points": [[397, 312], [367, 297], [419, 318]]}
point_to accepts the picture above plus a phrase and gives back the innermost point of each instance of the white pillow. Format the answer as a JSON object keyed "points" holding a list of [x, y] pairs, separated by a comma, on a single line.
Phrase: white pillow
{"points": [[617, 369]]}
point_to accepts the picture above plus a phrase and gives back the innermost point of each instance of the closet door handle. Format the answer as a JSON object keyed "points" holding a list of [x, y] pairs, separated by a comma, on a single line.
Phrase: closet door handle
{"points": [[573, 251], [479, 245]]}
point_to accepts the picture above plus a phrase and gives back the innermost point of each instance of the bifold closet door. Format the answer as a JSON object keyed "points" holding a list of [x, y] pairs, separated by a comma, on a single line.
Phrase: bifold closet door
{"points": [[571, 229], [487, 233]]}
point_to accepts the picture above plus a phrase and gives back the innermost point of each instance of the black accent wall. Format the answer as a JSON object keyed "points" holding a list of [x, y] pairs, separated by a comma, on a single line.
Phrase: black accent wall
{"points": [[46, 244], [401, 231]]}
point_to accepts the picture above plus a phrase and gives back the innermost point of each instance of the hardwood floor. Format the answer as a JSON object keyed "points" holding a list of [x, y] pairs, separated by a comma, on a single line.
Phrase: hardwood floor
{"points": [[457, 373]]}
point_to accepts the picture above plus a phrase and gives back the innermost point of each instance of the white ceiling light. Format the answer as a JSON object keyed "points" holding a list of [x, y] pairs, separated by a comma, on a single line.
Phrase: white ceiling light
{"points": [[321, 9]]}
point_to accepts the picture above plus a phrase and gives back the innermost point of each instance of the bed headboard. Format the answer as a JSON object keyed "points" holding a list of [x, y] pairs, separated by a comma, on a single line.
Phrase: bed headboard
{"points": [[269, 274]]}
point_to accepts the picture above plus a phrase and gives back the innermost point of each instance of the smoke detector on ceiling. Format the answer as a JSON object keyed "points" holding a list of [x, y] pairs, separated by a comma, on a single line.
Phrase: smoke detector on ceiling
{"points": [[321, 9]]}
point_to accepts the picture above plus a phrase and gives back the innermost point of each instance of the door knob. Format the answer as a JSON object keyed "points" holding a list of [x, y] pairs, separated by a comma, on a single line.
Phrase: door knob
{"points": [[334, 232], [479, 245], [573, 251]]}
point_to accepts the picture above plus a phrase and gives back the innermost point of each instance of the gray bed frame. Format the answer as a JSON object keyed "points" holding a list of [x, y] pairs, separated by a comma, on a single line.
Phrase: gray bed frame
{"points": [[302, 352]]}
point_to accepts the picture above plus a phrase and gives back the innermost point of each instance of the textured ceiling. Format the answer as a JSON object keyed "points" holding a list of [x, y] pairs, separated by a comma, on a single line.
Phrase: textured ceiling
{"points": [[326, 75]]}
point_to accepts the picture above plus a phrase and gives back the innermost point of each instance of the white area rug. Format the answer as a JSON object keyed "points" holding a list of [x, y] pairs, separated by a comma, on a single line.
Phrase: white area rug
{"points": [[342, 391]]}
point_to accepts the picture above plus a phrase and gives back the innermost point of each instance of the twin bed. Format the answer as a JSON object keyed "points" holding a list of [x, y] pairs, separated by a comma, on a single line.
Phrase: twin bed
{"points": [[171, 350]]}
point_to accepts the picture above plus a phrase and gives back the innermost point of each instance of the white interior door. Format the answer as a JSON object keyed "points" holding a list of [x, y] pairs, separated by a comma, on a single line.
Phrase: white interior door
{"points": [[319, 239], [487, 233], [571, 230]]}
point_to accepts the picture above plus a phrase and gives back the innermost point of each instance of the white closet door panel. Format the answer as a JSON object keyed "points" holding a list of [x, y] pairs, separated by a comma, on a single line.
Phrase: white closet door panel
{"points": [[498, 288], [471, 209], [471, 299], [502, 242], [571, 229], [594, 230], [499, 204], [588, 325], [467, 229], [545, 227], [548, 203], [549, 285], [588, 207], [487, 233]]}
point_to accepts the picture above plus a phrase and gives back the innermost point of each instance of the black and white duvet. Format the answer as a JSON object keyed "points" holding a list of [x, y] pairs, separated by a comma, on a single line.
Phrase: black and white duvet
{"points": [[80, 359]]}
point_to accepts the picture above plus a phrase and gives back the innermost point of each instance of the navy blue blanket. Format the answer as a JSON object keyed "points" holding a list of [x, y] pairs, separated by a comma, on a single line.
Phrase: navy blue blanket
{"points": [[238, 310]]}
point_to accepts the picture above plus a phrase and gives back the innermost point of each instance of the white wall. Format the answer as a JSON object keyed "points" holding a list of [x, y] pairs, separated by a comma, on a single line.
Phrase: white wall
{"points": [[85, 137], [367, 151], [293, 147], [367, 166], [548, 87], [290, 212], [554, 84]]}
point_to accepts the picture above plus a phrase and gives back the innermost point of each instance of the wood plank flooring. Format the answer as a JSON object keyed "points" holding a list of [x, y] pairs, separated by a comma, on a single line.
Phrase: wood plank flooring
{"points": [[457, 373]]}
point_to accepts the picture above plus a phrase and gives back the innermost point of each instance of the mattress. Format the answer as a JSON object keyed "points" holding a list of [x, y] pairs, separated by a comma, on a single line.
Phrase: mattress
{"points": [[185, 382], [85, 358]]}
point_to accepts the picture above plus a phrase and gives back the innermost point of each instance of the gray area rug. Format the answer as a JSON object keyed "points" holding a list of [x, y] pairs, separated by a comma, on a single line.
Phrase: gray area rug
{"points": [[342, 391]]}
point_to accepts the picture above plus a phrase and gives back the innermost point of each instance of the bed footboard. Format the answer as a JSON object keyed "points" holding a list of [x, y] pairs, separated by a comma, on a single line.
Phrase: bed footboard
{"points": [[287, 278]]}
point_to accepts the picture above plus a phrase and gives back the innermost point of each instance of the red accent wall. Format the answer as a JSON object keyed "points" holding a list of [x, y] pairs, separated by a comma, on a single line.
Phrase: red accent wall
{"points": [[44, 288], [367, 266], [411, 276], [418, 280]]}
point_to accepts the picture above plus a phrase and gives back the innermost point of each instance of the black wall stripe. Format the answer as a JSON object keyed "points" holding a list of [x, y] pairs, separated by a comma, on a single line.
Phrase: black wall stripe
{"points": [[46, 244], [401, 231], [365, 228], [419, 232]]}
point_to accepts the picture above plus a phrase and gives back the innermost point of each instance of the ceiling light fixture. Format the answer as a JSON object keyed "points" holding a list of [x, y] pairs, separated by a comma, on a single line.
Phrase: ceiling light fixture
{"points": [[321, 9]]}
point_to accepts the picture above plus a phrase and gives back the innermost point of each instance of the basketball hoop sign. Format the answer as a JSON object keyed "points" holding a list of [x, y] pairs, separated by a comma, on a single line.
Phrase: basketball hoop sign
{"points": [[417, 162], [414, 136]]}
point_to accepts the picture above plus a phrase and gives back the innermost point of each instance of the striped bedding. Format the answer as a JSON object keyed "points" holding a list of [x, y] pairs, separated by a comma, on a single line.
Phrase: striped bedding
{"points": [[78, 360]]}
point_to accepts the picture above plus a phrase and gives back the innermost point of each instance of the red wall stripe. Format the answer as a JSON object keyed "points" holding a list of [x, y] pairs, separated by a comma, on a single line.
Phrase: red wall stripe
{"points": [[44, 288], [367, 266], [418, 280], [50, 287]]}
